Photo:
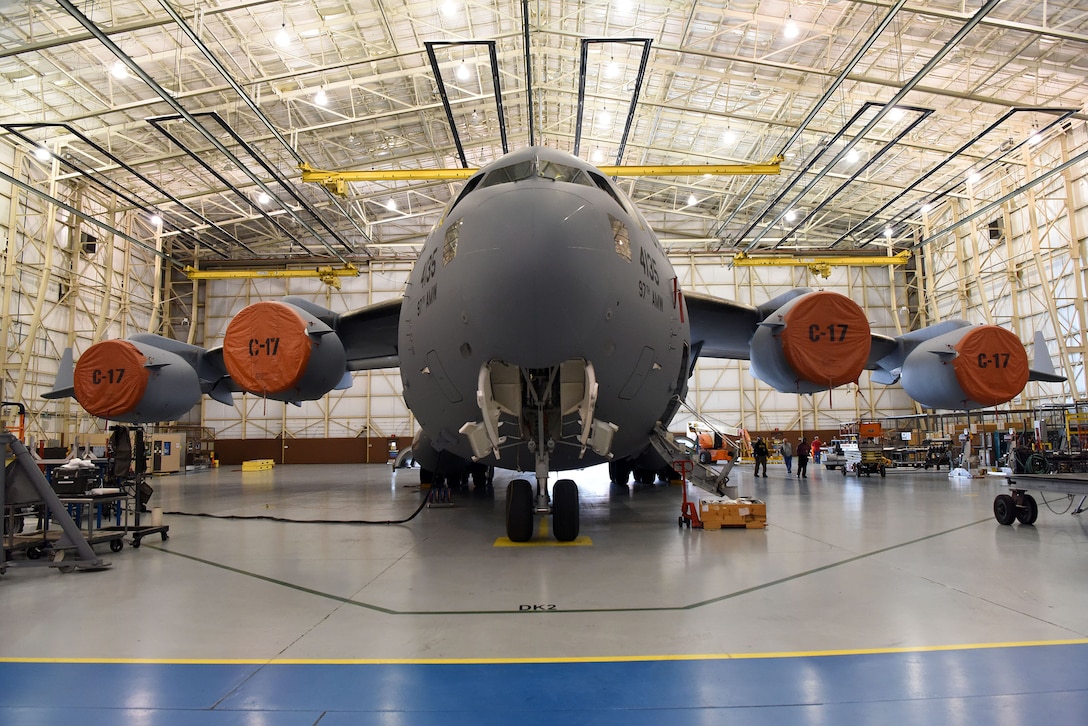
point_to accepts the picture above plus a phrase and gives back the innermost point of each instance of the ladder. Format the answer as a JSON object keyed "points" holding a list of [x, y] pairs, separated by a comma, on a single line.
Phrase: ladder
{"points": [[705, 477]]}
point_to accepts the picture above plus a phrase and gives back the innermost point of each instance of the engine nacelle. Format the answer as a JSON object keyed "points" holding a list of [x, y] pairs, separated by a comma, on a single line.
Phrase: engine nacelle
{"points": [[812, 343], [280, 351], [134, 382], [969, 368]]}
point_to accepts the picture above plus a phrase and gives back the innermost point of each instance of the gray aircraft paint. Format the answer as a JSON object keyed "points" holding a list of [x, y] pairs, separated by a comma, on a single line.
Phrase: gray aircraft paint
{"points": [[536, 280]]}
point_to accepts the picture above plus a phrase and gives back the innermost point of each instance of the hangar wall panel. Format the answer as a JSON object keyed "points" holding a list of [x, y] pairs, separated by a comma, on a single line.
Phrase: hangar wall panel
{"points": [[63, 290]]}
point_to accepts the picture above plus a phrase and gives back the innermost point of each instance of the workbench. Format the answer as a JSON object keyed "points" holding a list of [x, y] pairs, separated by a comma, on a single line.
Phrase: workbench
{"points": [[87, 510]]}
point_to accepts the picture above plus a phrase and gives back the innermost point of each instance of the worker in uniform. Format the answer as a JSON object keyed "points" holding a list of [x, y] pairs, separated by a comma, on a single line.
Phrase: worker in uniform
{"points": [[760, 452]]}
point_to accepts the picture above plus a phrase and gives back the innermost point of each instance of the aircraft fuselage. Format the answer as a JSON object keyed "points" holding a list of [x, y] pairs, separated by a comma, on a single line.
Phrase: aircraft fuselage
{"points": [[530, 270]]}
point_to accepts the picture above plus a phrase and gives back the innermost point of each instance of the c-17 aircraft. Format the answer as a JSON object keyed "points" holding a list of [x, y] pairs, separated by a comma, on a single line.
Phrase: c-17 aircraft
{"points": [[543, 330]]}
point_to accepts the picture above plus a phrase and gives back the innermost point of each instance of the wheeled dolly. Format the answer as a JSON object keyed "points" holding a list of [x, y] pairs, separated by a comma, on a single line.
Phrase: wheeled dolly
{"points": [[1018, 505]]}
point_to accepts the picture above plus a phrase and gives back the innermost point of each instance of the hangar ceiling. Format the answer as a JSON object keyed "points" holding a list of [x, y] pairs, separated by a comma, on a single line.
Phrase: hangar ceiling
{"points": [[202, 112]]}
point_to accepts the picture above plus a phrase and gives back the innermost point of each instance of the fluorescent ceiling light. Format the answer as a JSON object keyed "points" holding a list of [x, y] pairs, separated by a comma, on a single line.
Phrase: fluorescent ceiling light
{"points": [[321, 98], [463, 72], [119, 70], [263, 198], [42, 154]]}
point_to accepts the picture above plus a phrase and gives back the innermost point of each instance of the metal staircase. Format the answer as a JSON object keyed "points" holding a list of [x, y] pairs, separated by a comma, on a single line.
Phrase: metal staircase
{"points": [[705, 477]]}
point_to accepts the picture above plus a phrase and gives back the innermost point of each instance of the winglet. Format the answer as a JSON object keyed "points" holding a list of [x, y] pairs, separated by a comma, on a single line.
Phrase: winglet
{"points": [[64, 384], [221, 391], [1042, 365]]}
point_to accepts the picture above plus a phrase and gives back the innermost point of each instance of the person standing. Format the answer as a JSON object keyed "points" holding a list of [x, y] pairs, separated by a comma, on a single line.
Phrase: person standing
{"points": [[786, 449], [816, 446], [760, 452], [803, 450]]}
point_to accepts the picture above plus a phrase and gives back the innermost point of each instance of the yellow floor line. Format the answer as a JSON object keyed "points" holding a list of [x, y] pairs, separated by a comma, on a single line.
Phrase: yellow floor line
{"points": [[560, 660], [577, 542]]}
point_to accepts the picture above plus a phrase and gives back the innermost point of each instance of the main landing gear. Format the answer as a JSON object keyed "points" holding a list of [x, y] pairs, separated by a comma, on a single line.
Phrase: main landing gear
{"points": [[521, 505]]}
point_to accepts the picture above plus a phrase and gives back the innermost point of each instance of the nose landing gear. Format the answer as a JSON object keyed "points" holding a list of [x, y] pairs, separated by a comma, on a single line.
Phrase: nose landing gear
{"points": [[563, 506]]}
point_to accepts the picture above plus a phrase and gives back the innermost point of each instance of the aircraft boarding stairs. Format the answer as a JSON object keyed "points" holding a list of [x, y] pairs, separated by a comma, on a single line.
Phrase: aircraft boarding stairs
{"points": [[707, 478]]}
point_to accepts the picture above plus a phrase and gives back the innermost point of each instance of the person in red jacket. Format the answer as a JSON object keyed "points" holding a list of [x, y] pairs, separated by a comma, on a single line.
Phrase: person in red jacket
{"points": [[816, 446]]}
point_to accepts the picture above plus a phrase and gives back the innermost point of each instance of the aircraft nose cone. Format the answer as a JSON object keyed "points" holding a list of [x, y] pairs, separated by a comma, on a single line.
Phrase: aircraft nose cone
{"points": [[547, 254]]}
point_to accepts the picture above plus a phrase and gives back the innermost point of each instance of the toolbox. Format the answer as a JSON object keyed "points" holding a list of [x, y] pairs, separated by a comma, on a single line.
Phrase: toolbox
{"points": [[75, 482]]}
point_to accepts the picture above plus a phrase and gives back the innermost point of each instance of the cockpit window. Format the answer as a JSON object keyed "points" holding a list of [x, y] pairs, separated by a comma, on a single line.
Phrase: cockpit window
{"points": [[564, 173], [541, 169], [453, 234], [469, 186], [601, 182], [506, 174]]}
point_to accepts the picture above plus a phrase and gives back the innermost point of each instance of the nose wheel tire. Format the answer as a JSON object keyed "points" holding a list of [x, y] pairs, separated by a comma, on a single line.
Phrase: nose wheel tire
{"points": [[565, 523], [519, 511]]}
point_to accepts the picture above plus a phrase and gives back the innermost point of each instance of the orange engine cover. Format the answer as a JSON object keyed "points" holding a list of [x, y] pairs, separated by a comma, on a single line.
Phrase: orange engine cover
{"points": [[972, 367], [133, 381], [280, 351], [812, 343]]}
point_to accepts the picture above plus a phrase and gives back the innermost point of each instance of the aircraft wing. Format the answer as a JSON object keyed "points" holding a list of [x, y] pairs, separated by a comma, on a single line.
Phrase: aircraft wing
{"points": [[722, 328], [369, 334], [807, 341]]}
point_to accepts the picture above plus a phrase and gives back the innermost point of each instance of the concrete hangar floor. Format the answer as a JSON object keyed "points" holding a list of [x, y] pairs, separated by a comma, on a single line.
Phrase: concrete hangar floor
{"points": [[865, 601]]}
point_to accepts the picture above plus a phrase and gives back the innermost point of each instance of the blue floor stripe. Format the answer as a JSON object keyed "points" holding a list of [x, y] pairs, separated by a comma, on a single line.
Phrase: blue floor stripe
{"points": [[1035, 684]]}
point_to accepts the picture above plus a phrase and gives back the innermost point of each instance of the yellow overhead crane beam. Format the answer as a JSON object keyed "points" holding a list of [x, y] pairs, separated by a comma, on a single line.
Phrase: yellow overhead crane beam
{"points": [[819, 265], [328, 275], [337, 181]]}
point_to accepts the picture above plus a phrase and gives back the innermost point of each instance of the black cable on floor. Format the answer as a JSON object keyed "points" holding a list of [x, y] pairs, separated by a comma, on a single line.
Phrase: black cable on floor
{"points": [[1067, 507], [268, 518]]}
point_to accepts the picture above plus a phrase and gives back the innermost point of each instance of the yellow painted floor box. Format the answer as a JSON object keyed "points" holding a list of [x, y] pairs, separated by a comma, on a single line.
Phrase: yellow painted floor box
{"points": [[741, 512], [258, 465]]}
